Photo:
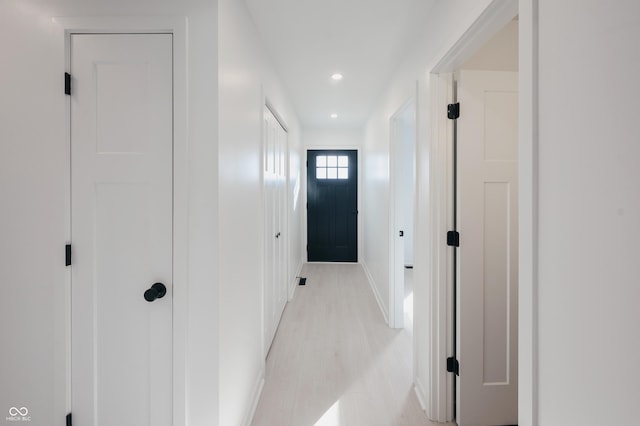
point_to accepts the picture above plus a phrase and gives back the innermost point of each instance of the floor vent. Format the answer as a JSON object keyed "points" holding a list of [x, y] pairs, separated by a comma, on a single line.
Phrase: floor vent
{"points": [[303, 281]]}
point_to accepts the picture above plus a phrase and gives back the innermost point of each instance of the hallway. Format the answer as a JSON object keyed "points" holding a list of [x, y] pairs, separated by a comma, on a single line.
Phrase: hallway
{"points": [[334, 361]]}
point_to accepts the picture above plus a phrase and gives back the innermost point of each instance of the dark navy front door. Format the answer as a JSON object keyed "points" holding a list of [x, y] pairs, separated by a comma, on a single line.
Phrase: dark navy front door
{"points": [[332, 212]]}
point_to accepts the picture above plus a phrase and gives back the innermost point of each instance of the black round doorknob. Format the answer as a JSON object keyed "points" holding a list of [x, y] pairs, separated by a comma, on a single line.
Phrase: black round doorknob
{"points": [[157, 291]]}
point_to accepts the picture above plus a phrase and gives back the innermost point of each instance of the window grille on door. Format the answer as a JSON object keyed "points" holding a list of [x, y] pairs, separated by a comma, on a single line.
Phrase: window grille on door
{"points": [[332, 167]]}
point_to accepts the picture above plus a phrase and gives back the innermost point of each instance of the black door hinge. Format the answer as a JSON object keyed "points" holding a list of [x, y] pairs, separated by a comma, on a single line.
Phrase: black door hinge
{"points": [[67, 255], [307, 248], [453, 111], [69, 419], [67, 83], [453, 366], [453, 239]]}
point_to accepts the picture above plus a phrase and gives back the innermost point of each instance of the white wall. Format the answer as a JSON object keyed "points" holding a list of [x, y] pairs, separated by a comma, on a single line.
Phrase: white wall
{"points": [[330, 138], [375, 210], [33, 187], [589, 211], [245, 79], [296, 197]]}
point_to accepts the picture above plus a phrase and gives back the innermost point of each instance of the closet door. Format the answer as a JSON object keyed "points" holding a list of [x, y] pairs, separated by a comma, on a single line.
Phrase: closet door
{"points": [[275, 178], [121, 227]]}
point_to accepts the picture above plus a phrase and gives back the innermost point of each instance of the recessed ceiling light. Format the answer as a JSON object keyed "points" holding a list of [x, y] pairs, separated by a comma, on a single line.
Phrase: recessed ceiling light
{"points": [[334, 115], [337, 76]]}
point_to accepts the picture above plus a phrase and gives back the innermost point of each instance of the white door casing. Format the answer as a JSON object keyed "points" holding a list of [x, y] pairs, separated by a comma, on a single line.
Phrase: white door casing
{"points": [[487, 388], [275, 283], [121, 228]]}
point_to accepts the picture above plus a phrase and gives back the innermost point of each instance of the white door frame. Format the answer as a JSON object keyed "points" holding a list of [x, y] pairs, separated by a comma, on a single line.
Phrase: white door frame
{"points": [[396, 287], [498, 12], [178, 28]]}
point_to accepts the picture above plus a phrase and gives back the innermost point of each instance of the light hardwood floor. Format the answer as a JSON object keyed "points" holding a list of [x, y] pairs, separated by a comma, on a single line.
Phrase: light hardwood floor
{"points": [[334, 361]]}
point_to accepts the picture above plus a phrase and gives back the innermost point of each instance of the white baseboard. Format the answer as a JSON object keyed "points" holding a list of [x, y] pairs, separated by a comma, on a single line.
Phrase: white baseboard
{"points": [[422, 396], [257, 392], [294, 283], [374, 289]]}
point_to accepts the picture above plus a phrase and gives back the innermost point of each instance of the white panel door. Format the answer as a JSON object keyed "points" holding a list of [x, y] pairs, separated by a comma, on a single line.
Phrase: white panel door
{"points": [[275, 285], [487, 389], [121, 186]]}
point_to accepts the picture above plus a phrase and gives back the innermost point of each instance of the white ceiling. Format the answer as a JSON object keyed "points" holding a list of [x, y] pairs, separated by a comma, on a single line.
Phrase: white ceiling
{"points": [[309, 40]]}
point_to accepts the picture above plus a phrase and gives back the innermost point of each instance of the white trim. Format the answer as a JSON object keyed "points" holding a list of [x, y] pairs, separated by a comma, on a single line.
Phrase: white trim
{"points": [[528, 215], [255, 399], [177, 26], [276, 115], [440, 395], [124, 24], [418, 388], [263, 239], [67, 292], [491, 19], [294, 284], [374, 289]]}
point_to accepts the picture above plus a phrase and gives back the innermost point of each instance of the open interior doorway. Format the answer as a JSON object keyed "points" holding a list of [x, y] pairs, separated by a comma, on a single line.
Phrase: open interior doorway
{"points": [[486, 219], [401, 214]]}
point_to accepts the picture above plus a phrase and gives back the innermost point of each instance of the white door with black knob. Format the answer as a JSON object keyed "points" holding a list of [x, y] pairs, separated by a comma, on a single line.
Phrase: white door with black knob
{"points": [[121, 229]]}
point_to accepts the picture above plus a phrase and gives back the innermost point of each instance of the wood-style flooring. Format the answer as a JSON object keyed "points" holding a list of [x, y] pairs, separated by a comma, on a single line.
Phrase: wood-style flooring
{"points": [[334, 360]]}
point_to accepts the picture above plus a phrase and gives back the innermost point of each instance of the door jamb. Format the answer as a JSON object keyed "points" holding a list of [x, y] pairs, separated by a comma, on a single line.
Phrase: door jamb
{"points": [[142, 25], [439, 396], [495, 16]]}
